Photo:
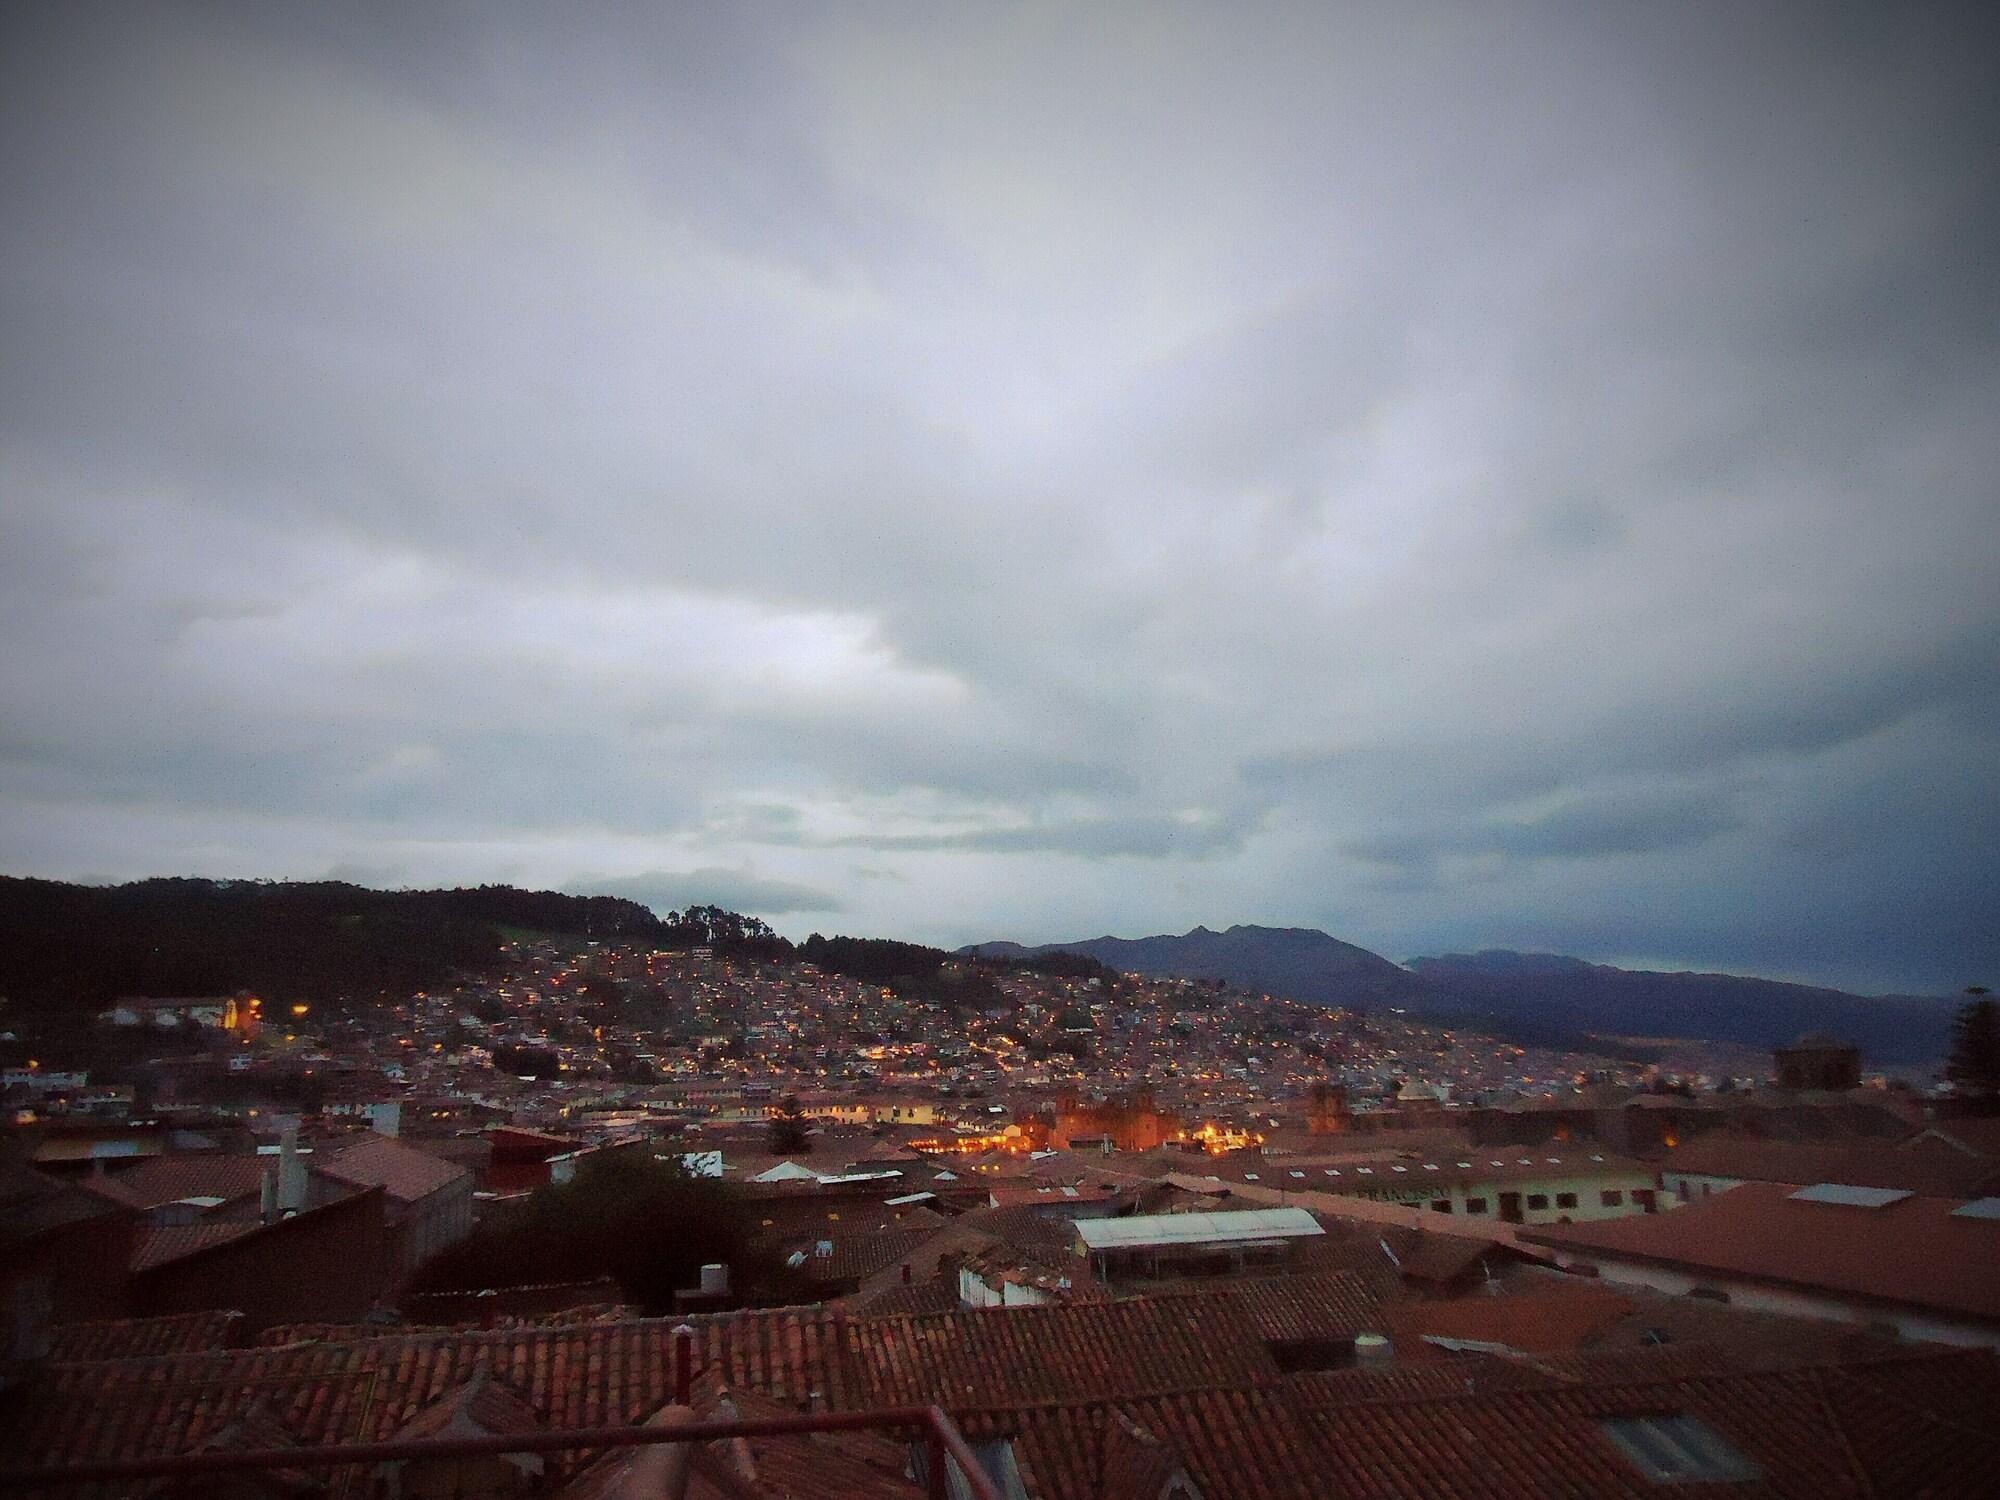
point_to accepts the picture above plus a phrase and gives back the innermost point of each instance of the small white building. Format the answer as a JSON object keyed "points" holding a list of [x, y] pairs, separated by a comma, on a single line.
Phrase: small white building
{"points": [[1149, 1245]]}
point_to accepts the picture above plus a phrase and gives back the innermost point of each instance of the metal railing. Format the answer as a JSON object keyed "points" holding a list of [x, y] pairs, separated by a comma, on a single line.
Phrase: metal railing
{"points": [[945, 1449]]}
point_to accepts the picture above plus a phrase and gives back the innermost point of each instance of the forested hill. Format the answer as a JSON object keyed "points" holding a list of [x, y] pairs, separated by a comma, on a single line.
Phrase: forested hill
{"points": [[76, 946]]}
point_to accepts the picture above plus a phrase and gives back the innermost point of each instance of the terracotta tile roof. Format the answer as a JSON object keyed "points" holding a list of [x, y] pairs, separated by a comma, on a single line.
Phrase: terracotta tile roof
{"points": [[403, 1172], [808, 1211], [1331, 1304], [1269, 1440], [1545, 1321], [1017, 1235], [856, 1257], [1236, 1444], [835, 1465], [1914, 1252], [1136, 1465], [256, 1428], [816, 1466], [1809, 1433], [482, 1406], [933, 1296], [127, 1338], [1188, 1373], [1411, 1255], [1935, 1174], [365, 1387], [1777, 1338], [1064, 1352], [1050, 1240], [169, 1179], [157, 1247]]}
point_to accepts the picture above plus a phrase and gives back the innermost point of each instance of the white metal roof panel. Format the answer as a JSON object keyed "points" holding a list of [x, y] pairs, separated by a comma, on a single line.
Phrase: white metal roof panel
{"points": [[1849, 1196], [1978, 1208], [1235, 1226]]}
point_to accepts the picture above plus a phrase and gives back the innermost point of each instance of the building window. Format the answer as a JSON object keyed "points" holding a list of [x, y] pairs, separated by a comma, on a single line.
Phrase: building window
{"points": [[1441, 1206], [1565, 1200], [1475, 1205], [1674, 1448], [1612, 1198], [1538, 1200]]}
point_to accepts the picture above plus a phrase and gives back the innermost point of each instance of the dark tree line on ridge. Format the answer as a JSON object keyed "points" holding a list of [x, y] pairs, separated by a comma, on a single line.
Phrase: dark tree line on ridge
{"points": [[67, 951]]}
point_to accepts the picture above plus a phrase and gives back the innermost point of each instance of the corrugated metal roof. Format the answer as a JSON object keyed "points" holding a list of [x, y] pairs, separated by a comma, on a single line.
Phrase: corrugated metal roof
{"points": [[1851, 1197], [1237, 1226]]}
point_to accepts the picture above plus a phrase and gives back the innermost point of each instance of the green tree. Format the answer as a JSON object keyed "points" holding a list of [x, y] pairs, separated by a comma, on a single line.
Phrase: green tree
{"points": [[642, 1221], [787, 1136], [1974, 1064]]}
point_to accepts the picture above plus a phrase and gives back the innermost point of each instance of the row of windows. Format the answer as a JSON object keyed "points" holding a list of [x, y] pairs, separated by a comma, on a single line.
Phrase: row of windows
{"points": [[1609, 1198]]}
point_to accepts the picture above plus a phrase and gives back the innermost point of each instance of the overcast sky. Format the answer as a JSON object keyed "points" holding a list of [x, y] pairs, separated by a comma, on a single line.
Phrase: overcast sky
{"points": [[1457, 476]]}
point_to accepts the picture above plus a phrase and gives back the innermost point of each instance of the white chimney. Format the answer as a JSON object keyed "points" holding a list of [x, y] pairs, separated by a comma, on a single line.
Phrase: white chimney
{"points": [[291, 1172], [714, 1280], [1371, 1349], [267, 1196]]}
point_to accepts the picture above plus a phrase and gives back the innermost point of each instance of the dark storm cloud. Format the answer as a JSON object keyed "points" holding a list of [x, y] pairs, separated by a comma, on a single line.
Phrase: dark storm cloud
{"points": [[1457, 476], [1643, 821]]}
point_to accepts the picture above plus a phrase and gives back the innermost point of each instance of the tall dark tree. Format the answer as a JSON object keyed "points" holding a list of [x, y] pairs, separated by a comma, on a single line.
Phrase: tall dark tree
{"points": [[1975, 1046], [628, 1215], [788, 1129]]}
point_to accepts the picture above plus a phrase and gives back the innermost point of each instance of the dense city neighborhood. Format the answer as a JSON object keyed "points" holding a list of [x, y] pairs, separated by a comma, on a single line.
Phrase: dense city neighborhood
{"points": [[1190, 1197]]}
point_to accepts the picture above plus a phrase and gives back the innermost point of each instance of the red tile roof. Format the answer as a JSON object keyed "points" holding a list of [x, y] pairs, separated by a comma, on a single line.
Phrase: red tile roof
{"points": [[169, 1179], [858, 1465], [158, 1247], [855, 1257], [404, 1172], [1330, 1304], [482, 1406], [1538, 1443], [1540, 1322], [587, 1375], [1948, 1174], [1812, 1432], [1914, 1252], [128, 1338], [895, 1298], [1186, 1373]]}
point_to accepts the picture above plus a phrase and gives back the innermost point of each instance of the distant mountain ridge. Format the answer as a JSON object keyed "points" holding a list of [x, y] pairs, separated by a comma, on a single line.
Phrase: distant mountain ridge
{"points": [[1301, 962], [1570, 992], [1546, 997]]}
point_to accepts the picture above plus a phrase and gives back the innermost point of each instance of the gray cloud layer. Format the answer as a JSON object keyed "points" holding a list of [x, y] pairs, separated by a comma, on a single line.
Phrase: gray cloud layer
{"points": [[1450, 474]]}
